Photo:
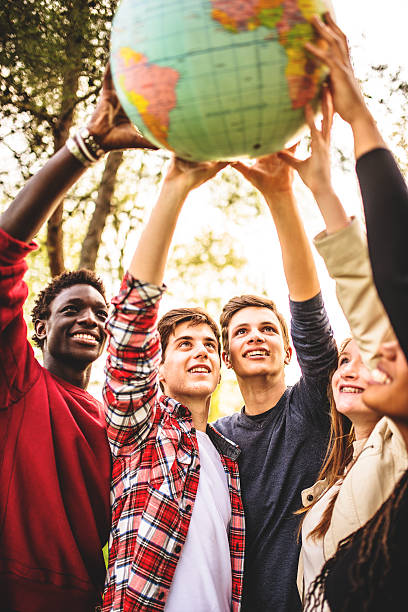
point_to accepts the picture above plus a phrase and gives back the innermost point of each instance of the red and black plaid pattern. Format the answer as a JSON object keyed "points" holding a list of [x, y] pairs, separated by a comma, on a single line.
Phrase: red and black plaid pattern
{"points": [[155, 463]]}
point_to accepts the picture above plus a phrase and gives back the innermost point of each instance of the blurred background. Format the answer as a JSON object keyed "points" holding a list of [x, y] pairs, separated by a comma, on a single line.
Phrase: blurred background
{"points": [[52, 58]]}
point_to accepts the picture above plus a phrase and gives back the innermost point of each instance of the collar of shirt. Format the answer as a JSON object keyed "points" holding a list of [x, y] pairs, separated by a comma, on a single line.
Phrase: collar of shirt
{"points": [[223, 445]]}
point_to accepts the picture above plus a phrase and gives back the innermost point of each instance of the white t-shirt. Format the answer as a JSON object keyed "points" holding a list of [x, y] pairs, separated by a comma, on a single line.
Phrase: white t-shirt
{"points": [[202, 581]]}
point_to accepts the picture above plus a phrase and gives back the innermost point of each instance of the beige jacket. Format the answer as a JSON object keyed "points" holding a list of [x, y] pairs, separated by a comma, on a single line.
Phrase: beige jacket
{"points": [[384, 457], [368, 483], [345, 254]]}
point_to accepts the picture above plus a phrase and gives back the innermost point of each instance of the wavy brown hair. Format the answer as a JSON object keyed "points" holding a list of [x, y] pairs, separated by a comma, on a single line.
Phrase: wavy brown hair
{"points": [[338, 455]]}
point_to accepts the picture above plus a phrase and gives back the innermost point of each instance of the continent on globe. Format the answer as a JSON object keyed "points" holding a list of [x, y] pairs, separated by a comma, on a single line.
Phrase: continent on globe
{"points": [[239, 15], [150, 88], [290, 18]]}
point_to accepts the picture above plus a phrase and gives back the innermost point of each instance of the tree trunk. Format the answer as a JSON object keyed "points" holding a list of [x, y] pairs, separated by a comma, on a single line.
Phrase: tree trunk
{"points": [[55, 234], [78, 12], [103, 205]]}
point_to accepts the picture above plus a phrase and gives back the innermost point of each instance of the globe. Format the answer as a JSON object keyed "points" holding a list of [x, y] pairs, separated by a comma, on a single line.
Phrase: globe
{"points": [[216, 79]]}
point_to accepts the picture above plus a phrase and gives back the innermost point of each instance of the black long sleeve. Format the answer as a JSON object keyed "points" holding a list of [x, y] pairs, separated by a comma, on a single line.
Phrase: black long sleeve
{"points": [[385, 198]]}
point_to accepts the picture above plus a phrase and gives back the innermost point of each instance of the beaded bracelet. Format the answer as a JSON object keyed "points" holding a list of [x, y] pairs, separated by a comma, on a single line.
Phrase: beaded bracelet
{"points": [[84, 147], [88, 145], [76, 152]]}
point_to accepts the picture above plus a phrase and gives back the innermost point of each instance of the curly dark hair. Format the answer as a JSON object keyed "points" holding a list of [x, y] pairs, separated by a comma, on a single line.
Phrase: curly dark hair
{"points": [[374, 579], [82, 276]]}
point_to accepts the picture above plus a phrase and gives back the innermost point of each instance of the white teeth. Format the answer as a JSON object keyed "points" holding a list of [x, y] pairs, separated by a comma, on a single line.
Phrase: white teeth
{"points": [[85, 337], [380, 377], [256, 354], [351, 390], [199, 370]]}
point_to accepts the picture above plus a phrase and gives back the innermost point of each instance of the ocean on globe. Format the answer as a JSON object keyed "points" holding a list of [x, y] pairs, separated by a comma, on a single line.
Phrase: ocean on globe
{"points": [[216, 79]]}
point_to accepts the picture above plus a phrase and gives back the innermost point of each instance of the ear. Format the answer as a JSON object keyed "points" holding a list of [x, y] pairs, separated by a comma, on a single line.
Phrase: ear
{"points": [[162, 379], [40, 327], [288, 356], [226, 359]]}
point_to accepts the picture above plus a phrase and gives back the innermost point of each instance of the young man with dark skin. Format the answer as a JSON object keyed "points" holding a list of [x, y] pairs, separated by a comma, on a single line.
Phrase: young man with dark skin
{"points": [[282, 431], [56, 466], [177, 538]]}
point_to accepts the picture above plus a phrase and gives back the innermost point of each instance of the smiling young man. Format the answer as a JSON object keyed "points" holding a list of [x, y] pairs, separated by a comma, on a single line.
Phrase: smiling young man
{"points": [[282, 431], [55, 468], [69, 321], [177, 539]]}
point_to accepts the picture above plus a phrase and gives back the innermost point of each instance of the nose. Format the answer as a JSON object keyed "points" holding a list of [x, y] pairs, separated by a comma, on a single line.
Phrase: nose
{"points": [[349, 370], [87, 317], [201, 351], [255, 335]]}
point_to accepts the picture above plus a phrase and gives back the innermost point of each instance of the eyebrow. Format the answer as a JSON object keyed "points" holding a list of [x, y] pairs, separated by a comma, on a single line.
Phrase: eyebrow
{"points": [[207, 338], [271, 323], [80, 302]]}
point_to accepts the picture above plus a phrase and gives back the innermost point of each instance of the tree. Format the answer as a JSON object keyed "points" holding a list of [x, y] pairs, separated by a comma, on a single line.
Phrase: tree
{"points": [[387, 90], [52, 58]]}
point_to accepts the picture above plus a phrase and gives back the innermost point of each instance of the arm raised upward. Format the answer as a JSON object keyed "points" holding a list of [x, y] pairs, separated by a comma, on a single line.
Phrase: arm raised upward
{"points": [[273, 178]]}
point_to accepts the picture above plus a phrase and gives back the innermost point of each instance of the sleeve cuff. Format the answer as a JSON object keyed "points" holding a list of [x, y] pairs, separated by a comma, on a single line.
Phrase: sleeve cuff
{"points": [[138, 293], [12, 249], [310, 305], [342, 247]]}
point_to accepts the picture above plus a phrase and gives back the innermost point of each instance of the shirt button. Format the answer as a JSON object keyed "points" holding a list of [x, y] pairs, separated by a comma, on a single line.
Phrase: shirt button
{"points": [[161, 595], [309, 497], [188, 508], [178, 548]]}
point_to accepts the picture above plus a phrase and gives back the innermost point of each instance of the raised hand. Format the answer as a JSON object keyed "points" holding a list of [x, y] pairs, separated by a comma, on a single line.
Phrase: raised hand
{"points": [[315, 170], [109, 123], [347, 96], [269, 174], [190, 175]]}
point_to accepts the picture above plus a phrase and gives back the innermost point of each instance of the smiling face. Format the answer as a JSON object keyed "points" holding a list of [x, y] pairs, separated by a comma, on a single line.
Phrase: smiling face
{"points": [[256, 344], [74, 332], [349, 382], [387, 393], [191, 366]]}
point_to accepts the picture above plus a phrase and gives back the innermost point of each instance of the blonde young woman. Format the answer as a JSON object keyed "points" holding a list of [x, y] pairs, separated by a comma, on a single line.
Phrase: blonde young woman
{"points": [[366, 456]]}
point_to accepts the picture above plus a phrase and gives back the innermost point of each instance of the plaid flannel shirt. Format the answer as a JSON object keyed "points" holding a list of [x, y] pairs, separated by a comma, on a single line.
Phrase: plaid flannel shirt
{"points": [[155, 463]]}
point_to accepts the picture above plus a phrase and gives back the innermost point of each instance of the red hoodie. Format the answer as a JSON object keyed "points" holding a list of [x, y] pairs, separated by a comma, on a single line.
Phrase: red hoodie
{"points": [[54, 469]]}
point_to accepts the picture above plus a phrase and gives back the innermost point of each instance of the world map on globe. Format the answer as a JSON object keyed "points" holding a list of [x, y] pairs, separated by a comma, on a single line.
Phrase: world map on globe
{"points": [[216, 79]]}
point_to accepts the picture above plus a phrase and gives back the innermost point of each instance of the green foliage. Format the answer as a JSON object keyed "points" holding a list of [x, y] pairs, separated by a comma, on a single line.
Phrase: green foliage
{"points": [[52, 57], [387, 91]]}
